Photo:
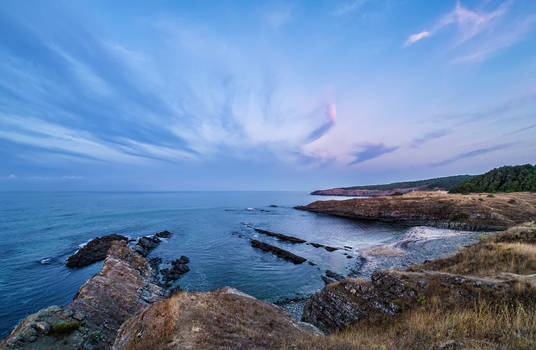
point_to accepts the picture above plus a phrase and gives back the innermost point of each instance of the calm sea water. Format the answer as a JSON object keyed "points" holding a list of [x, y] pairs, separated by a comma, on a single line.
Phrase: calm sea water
{"points": [[38, 231]]}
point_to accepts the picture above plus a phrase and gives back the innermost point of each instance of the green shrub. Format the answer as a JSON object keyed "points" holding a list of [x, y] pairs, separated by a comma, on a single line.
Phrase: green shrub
{"points": [[64, 328]]}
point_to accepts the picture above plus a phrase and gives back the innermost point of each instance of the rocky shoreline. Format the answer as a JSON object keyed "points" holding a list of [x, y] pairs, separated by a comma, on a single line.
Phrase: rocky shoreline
{"points": [[473, 212], [127, 305]]}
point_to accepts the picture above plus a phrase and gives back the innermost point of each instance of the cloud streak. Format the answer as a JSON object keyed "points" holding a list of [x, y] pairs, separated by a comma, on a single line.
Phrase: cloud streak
{"points": [[469, 23], [371, 151], [472, 154]]}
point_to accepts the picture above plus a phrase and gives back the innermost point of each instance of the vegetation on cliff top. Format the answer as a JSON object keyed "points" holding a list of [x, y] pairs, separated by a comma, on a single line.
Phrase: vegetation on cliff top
{"points": [[518, 178], [441, 183]]}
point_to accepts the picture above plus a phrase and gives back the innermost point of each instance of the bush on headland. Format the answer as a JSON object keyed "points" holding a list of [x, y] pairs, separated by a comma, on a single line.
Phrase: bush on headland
{"points": [[520, 178]]}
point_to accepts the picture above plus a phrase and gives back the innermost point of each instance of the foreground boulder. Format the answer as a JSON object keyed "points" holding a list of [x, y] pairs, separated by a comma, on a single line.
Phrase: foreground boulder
{"points": [[95, 250], [390, 292], [222, 319], [124, 286]]}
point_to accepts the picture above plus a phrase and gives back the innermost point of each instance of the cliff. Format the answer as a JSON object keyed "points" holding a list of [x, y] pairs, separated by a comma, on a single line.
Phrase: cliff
{"points": [[124, 286], [438, 209]]}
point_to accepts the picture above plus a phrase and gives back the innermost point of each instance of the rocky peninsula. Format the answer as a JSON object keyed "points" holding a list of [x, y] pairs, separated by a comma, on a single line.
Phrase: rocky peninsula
{"points": [[480, 211]]}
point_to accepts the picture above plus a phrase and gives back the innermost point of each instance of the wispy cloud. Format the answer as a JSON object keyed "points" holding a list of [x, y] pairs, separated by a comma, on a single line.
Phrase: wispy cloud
{"points": [[416, 37], [44, 178], [331, 113], [430, 136], [348, 7], [279, 17], [499, 41], [371, 151], [472, 154], [469, 23]]}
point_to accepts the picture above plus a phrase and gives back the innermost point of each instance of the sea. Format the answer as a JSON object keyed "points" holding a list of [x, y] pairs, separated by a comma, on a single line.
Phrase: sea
{"points": [[40, 230]]}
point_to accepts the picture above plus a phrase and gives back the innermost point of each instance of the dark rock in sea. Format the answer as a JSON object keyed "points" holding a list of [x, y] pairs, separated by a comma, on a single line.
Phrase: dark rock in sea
{"points": [[349, 257], [317, 245], [163, 234], [146, 244], [178, 268], [95, 250], [330, 249], [311, 263], [184, 259], [281, 236], [123, 287], [333, 274], [277, 251], [273, 206], [327, 280], [347, 247]]}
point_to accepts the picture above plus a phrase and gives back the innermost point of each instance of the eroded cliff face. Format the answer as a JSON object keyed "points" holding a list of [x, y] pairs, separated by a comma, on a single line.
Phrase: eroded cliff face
{"points": [[124, 286], [438, 209], [221, 319], [391, 292]]}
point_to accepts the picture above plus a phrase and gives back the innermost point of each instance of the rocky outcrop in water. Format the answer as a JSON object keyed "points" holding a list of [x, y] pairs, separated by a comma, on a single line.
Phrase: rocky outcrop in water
{"points": [[277, 251], [472, 212], [124, 286], [390, 292], [178, 268], [95, 250], [221, 319], [281, 237]]}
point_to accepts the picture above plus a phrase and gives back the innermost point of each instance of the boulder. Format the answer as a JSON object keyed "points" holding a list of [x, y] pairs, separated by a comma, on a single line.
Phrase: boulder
{"points": [[146, 244], [124, 286], [178, 268], [163, 234], [95, 250], [390, 292], [221, 319]]}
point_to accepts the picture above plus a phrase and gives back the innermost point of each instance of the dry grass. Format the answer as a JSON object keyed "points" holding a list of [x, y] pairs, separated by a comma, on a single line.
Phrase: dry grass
{"points": [[510, 251], [482, 326], [497, 324]]}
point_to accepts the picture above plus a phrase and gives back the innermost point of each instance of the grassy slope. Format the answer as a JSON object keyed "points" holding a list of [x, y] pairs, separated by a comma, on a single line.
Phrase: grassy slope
{"points": [[443, 183], [432, 324]]}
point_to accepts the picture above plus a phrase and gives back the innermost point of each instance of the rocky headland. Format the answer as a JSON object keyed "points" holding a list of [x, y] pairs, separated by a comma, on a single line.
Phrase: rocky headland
{"points": [[95, 250], [125, 285], [128, 288], [471, 212]]}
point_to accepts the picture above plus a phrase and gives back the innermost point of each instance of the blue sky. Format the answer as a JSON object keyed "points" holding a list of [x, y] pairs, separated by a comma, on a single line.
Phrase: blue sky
{"points": [[252, 95]]}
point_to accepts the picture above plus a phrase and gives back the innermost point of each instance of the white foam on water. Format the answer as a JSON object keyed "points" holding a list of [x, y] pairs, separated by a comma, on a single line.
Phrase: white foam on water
{"points": [[425, 234]]}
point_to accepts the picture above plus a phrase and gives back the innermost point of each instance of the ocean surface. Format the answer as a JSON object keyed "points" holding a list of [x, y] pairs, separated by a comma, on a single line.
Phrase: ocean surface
{"points": [[39, 230]]}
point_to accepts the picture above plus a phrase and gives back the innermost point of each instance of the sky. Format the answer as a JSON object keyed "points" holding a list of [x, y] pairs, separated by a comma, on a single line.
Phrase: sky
{"points": [[254, 95]]}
